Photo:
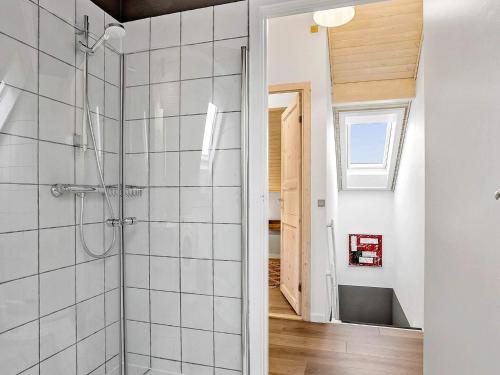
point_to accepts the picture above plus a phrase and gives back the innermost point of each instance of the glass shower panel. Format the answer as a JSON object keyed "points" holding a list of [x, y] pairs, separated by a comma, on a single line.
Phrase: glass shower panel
{"points": [[182, 143]]}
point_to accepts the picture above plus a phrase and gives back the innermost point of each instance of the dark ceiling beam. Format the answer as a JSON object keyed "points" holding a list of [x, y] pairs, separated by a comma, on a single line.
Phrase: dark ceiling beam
{"points": [[130, 10]]}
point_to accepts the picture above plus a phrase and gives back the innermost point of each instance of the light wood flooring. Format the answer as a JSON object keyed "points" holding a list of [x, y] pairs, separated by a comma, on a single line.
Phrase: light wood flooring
{"points": [[302, 348], [279, 306]]}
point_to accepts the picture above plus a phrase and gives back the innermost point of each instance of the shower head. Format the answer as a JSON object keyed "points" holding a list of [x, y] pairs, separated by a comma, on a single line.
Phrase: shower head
{"points": [[112, 31]]}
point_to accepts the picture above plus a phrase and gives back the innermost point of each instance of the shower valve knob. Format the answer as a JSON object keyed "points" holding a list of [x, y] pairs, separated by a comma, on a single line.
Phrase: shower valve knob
{"points": [[129, 221]]}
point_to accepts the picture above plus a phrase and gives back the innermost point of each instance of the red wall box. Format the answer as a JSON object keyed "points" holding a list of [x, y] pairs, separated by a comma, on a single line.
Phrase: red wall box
{"points": [[365, 250]]}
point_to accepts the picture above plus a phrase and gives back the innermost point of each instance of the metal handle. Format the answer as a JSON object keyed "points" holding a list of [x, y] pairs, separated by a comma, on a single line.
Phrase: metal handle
{"points": [[245, 342], [497, 195]]}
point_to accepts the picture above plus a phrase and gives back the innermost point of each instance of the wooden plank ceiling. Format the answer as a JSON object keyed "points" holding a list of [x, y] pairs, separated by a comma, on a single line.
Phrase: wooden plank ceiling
{"points": [[375, 56]]}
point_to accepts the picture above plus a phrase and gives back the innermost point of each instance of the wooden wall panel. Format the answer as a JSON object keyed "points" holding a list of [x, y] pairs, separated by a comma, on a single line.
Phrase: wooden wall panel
{"points": [[274, 130]]}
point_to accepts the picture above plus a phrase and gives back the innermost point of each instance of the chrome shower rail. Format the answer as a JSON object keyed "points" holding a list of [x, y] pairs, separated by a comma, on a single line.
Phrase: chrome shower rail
{"points": [[129, 191]]}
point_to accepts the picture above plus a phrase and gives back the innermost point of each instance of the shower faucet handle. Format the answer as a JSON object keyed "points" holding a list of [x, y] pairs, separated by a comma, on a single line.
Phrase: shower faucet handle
{"points": [[497, 195], [129, 221], [119, 223]]}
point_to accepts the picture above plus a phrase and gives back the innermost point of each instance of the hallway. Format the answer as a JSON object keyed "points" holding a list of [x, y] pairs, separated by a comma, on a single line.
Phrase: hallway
{"points": [[300, 348]]}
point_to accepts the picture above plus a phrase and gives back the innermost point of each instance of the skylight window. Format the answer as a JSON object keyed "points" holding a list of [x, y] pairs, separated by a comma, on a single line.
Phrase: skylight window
{"points": [[368, 143]]}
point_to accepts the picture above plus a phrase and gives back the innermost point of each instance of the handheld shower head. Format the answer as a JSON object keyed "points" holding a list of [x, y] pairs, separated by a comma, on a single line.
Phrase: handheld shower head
{"points": [[112, 31]]}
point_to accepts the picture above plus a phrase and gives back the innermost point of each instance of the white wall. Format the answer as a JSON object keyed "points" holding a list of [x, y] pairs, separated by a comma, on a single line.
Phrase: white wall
{"points": [[462, 259], [409, 213], [296, 55], [366, 212]]}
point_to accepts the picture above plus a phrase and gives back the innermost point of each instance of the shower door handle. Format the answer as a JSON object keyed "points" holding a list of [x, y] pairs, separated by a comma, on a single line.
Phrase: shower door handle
{"points": [[497, 195]]}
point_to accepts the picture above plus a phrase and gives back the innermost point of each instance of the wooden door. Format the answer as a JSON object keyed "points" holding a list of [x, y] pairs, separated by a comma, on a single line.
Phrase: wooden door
{"points": [[291, 171]]}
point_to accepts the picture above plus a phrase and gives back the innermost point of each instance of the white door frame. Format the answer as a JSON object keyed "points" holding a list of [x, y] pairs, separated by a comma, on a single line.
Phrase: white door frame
{"points": [[259, 12]]}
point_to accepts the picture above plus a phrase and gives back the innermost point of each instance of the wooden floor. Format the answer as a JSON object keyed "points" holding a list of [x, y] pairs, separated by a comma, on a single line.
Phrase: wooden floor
{"points": [[299, 348], [279, 306]]}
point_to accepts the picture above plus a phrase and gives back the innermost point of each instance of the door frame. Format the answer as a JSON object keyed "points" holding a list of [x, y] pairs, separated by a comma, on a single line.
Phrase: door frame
{"points": [[260, 11], [304, 91]]}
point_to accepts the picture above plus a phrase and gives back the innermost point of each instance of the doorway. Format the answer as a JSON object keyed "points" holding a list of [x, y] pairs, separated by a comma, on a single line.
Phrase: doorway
{"points": [[289, 198]]}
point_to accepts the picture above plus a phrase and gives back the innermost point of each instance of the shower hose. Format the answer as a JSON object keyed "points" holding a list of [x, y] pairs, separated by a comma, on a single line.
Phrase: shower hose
{"points": [[92, 253]]}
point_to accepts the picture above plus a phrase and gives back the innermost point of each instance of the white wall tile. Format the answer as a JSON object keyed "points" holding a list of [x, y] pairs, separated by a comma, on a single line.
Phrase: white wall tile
{"points": [[18, 159], [90, 353], [164, 169], [227, 315], [196, 240], [192, 132], [136, 239], [19, 348], [18, 255], [197, 60], [164, 274], [164, 366], [61, 363], [61, 8], [165, 30], [18, 302], [96, 16], [89, 279], [94, 237], [165, 308], [63, 281], [164, 204], [112, 305], [57, 80], [112, 269], [195, 96], [136, 169], [227, 241], [138, 207], [165, 99], [227, 205], [231, 20], [111, 134], [164, 239], [164, 134], [227, 351], [192, 369], [165, 342], [227, 168], [227, 278], [196, 204], [56, 163], [55, 212], [137, 38], [57, 248], [19, 209], [90, 317], [197, 26], [19, 67], [227, 56], [57, 38], [227, 93], [19, 19], [197, 346], [138, 340], [96, 95], [136, 103], [197, 311], [57, 331], [136, 136], [165, 65], [138, 364], [137, 304], [57, 121], [112, 100], [194, 169], [112, 345], [21, 114], [137, 69], [112, 67], [137, 270], [197, 276]]}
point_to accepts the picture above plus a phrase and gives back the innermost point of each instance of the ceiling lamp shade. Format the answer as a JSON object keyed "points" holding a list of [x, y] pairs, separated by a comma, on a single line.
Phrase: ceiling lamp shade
{"points": [[334, 17]]}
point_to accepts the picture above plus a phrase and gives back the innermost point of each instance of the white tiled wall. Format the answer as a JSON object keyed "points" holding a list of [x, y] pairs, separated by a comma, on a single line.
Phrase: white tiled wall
{"points": [[183, 258], [58, 308]]}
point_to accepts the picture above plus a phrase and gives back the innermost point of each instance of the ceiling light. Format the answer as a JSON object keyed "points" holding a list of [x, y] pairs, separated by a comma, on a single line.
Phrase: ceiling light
{"points": [[334, 17]]}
